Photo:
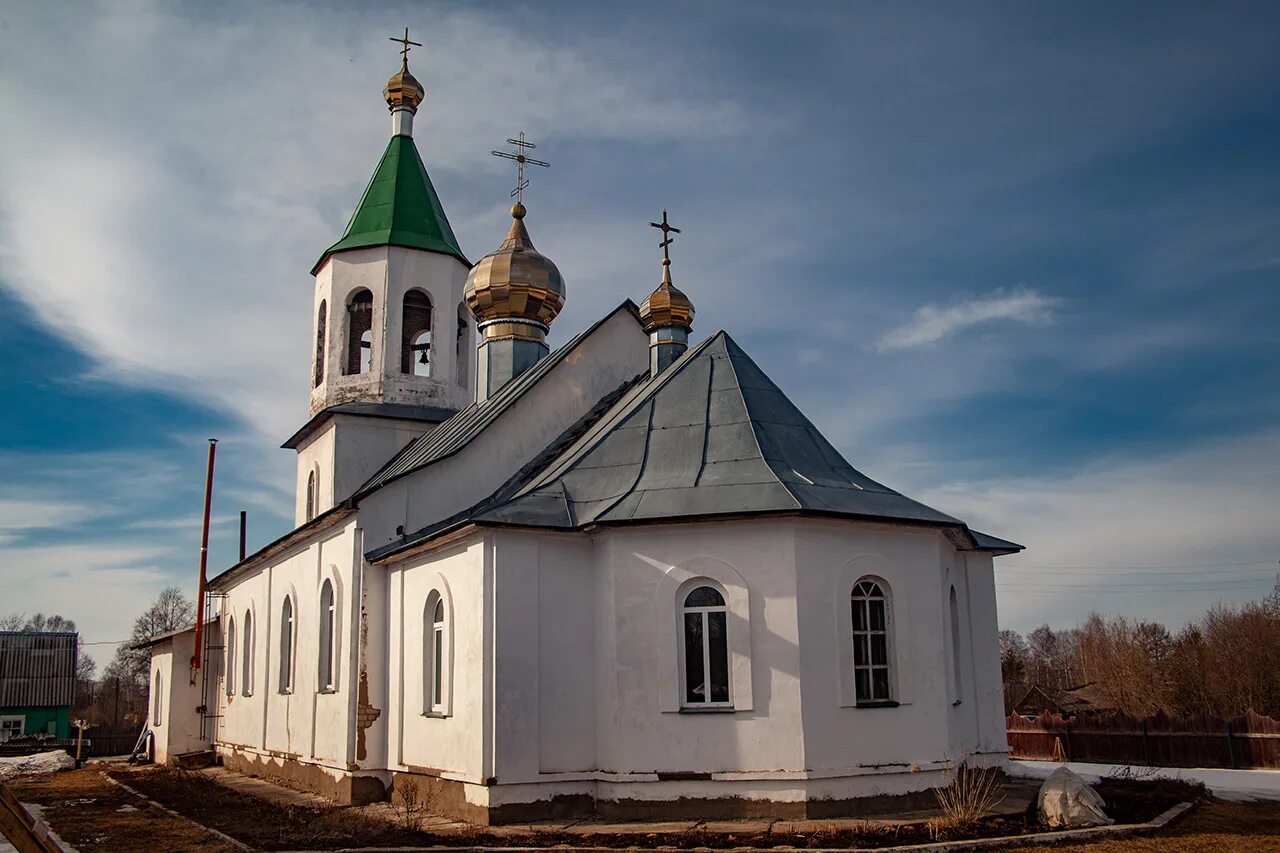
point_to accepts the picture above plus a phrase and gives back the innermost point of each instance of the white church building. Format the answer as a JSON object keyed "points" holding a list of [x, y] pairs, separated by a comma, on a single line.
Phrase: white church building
{"points": [[625, 577]]}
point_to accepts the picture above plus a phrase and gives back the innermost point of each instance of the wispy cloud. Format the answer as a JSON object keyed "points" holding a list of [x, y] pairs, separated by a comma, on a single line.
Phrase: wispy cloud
{"points": [[933, 323]]}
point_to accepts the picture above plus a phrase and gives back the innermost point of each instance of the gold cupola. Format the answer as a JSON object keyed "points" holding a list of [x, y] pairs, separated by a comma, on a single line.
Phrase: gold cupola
{"points": [[403, 91], [667, 305], [666, 314], [516, 285], [515, 293]]}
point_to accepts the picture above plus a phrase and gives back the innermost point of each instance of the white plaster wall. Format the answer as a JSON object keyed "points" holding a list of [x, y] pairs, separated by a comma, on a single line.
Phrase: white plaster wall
{"points": [[316, 455], [388, 272], [614, 598], [305, 722], [614, 354], [177, 731], [638, 726], [831, 557], [451, 742]]}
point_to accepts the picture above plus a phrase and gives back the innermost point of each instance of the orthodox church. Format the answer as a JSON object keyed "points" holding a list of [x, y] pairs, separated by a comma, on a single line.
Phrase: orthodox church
{"points": [[627, 577]]}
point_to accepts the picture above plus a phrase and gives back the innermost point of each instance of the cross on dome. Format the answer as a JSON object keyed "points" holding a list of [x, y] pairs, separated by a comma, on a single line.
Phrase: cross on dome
{"points": [[521, 145], [404, 50], [667, 230]]}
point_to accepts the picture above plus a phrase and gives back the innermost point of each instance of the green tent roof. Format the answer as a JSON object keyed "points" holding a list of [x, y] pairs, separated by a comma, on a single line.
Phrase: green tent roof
{"points": [[399, 208]]}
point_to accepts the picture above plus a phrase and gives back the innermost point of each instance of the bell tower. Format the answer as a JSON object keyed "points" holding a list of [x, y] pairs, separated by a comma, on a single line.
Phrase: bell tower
{"points": [[393, 340]]}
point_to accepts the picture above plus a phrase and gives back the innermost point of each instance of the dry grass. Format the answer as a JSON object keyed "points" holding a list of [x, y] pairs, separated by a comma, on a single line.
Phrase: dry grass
{"points": [[969, 795]]}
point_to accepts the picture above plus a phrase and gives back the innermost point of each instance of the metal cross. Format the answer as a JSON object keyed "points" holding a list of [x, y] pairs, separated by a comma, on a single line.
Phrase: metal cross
{"points": [[667, 230], [404, 50], [521, 159]]}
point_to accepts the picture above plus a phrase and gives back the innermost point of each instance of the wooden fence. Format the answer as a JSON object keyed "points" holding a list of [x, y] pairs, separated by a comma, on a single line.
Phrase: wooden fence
{"points": [[1248, 741]]}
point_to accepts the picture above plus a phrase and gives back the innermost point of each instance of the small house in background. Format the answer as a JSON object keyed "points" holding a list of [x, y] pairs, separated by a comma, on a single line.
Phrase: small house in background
{"points": [[1083, 698], [37, 683]]}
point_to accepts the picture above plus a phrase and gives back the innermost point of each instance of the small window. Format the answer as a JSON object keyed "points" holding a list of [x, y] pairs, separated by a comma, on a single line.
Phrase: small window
{"points": [[359, 333], [12, 726], [415, 334], [157, 690], [464, 341], [320, 339], [286, 646], [954, 607], [871, 671], [433, 655], [310, 510], [705, 649], [246, 666], [229, 656], [326, 636]]}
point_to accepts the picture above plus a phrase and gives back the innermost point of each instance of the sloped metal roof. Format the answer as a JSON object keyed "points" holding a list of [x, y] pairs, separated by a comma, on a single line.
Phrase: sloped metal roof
{"points": [[454, 434], [399, 207], [37, 669], [710, 436]]}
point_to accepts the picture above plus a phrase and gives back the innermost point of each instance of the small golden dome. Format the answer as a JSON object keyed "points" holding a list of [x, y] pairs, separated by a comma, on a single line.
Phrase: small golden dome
{"points": [[667, 305], [516, 282], [403, 90]]}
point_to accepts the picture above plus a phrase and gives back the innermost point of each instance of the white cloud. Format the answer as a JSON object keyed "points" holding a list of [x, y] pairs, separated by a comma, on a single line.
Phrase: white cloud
{"points": [[19, 515], [932, 323], [168, 222], [1205, 507]]}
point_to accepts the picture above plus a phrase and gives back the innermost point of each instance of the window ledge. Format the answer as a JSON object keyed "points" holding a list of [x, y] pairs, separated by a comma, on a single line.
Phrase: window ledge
{"points": [[439, 715], [327, 690], [709, 709], [288, 691], [885, 703]]}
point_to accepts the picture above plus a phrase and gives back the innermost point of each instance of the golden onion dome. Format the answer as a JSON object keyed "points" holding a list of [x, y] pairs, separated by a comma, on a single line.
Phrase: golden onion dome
{"points": [[667, 305], [516, 282], [403, 90]]}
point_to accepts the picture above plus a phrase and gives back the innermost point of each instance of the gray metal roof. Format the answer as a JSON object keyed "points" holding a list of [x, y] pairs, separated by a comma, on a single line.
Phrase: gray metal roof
{"points": [[37, 669], [454, 434], [711, 435]]}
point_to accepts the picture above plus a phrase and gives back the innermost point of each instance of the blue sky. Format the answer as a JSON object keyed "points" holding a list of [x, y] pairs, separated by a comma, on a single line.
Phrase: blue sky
{"points": [[1020, 262]]}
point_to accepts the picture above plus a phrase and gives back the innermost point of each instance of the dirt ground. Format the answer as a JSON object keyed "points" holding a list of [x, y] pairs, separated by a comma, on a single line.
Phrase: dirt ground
{"points": [[92, 814]]}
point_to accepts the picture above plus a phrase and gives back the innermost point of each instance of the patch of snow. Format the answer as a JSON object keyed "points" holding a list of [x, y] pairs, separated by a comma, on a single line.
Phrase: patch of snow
{"points": [[1241, 786], [41, 762]]}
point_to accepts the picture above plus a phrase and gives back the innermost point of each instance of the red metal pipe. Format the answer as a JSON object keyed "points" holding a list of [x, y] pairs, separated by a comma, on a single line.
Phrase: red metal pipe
{"points": [[204, 556]]}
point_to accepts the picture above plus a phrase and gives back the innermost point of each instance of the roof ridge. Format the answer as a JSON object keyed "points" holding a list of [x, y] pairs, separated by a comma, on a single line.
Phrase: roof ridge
{"points": [[605, 426], [746, 407]]}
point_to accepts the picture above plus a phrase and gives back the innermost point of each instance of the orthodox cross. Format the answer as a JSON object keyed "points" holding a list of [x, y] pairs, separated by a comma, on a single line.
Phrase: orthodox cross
{"points": [[521, 159], [667, 230], [404, 50]]}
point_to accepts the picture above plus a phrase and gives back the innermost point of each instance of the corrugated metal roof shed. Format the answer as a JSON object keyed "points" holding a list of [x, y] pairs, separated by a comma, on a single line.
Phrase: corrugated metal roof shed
{"points": [[37, 669]]}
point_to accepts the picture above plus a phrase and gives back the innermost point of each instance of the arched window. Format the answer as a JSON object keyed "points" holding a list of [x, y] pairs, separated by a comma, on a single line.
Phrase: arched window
{"points": [[705, 648], [286, 645], [415, 334], [464, 341], [955, 643], [157, 689], [246, 666], [871, 674], [433, 655], [320, 330], [310, 510], [229, 656], [326, 636], [359, 333]]}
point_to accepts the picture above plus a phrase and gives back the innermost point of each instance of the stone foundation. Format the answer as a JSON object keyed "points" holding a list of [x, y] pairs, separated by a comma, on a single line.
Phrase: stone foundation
{"points": [[339, 786]]}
